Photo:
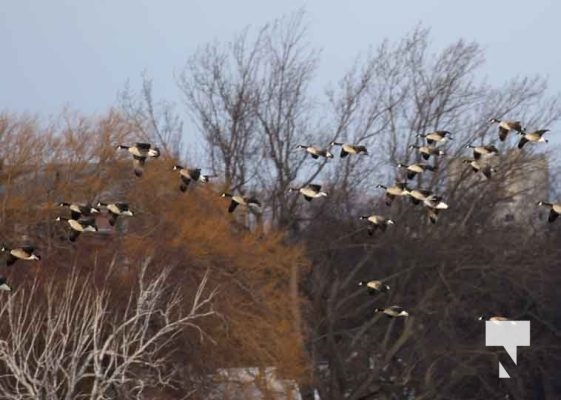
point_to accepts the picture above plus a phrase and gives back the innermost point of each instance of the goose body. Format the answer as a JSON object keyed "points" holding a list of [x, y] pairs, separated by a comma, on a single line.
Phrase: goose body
{"points": [[347, 149], [236, 200], [26, 253], [418, 195], [77, 210], [534, 137], [436, 136], [190, 174], [427, 151], [116, 210], [477, 166], [398, 189], [416, 168], [374, 286], [479, 151], [554, 210], [140, 152], [506, 126], [393, 311], [310, 191], [377, 222], [315, 151]]}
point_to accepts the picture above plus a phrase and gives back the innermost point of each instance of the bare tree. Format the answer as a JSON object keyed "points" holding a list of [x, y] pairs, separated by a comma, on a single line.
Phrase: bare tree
{"points": [[156, 122], [67, 340]]}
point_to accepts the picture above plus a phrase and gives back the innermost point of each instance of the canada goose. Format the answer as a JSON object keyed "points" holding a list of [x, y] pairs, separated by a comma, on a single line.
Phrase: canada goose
{"points": [[436, 136], [554, 210], [487, 317], [310, 191], [427, 151], [77, 210], [249, 202], [434, 205], [476, 166], [315, 151], [418, 195], [20, 253], [374, 286], [347, 149], [77, 227], [479, 151], [190, 174], [399, 189], [140, 151], [4, 285], [506, 126], [535, 137], [377, 221], [416, 168], [434, 201], [116, 210], [392, 311]]}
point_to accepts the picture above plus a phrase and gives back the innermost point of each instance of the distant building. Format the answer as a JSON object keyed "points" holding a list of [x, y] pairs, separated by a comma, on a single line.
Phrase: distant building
{"points": [[252, 383], [525, 180]]}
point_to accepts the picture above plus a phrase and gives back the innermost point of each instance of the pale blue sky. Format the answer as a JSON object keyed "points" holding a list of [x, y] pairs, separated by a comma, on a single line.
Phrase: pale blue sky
{"points": [[80, 53]]}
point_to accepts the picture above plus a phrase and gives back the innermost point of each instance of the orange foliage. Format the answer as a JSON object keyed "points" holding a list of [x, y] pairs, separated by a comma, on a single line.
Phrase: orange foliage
{"points": [[192, 232]]}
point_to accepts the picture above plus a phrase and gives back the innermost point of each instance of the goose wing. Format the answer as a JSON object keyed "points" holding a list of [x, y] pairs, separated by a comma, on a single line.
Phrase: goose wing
{"points": [[232, 207], [143, 146], [503, 132], [314, 187], [138, 165], [552, 216], [11, 259]]}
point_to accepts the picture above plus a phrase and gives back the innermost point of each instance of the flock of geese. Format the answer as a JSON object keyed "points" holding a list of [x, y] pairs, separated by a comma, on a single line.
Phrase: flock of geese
{"points": [[432, 202], [83, 216]]}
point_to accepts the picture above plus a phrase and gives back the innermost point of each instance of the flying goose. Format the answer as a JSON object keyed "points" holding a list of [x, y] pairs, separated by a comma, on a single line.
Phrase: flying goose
{"points": [[190, 174], [310, 191], [315, 151], [140, 151], [416, 168], [377, 221], [487, 317], [116, 210], [374, 286], [4, 285], [434, 205], [77, 227], [392, 311], [476, 166], [398, 189], [505, 127], [427, 151], [554, 210], [534, 137], [20, 253], [249, 202], [77, 210], [418, 195], [347, 149], [436, 136], [434, 201], [478, 151]]}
